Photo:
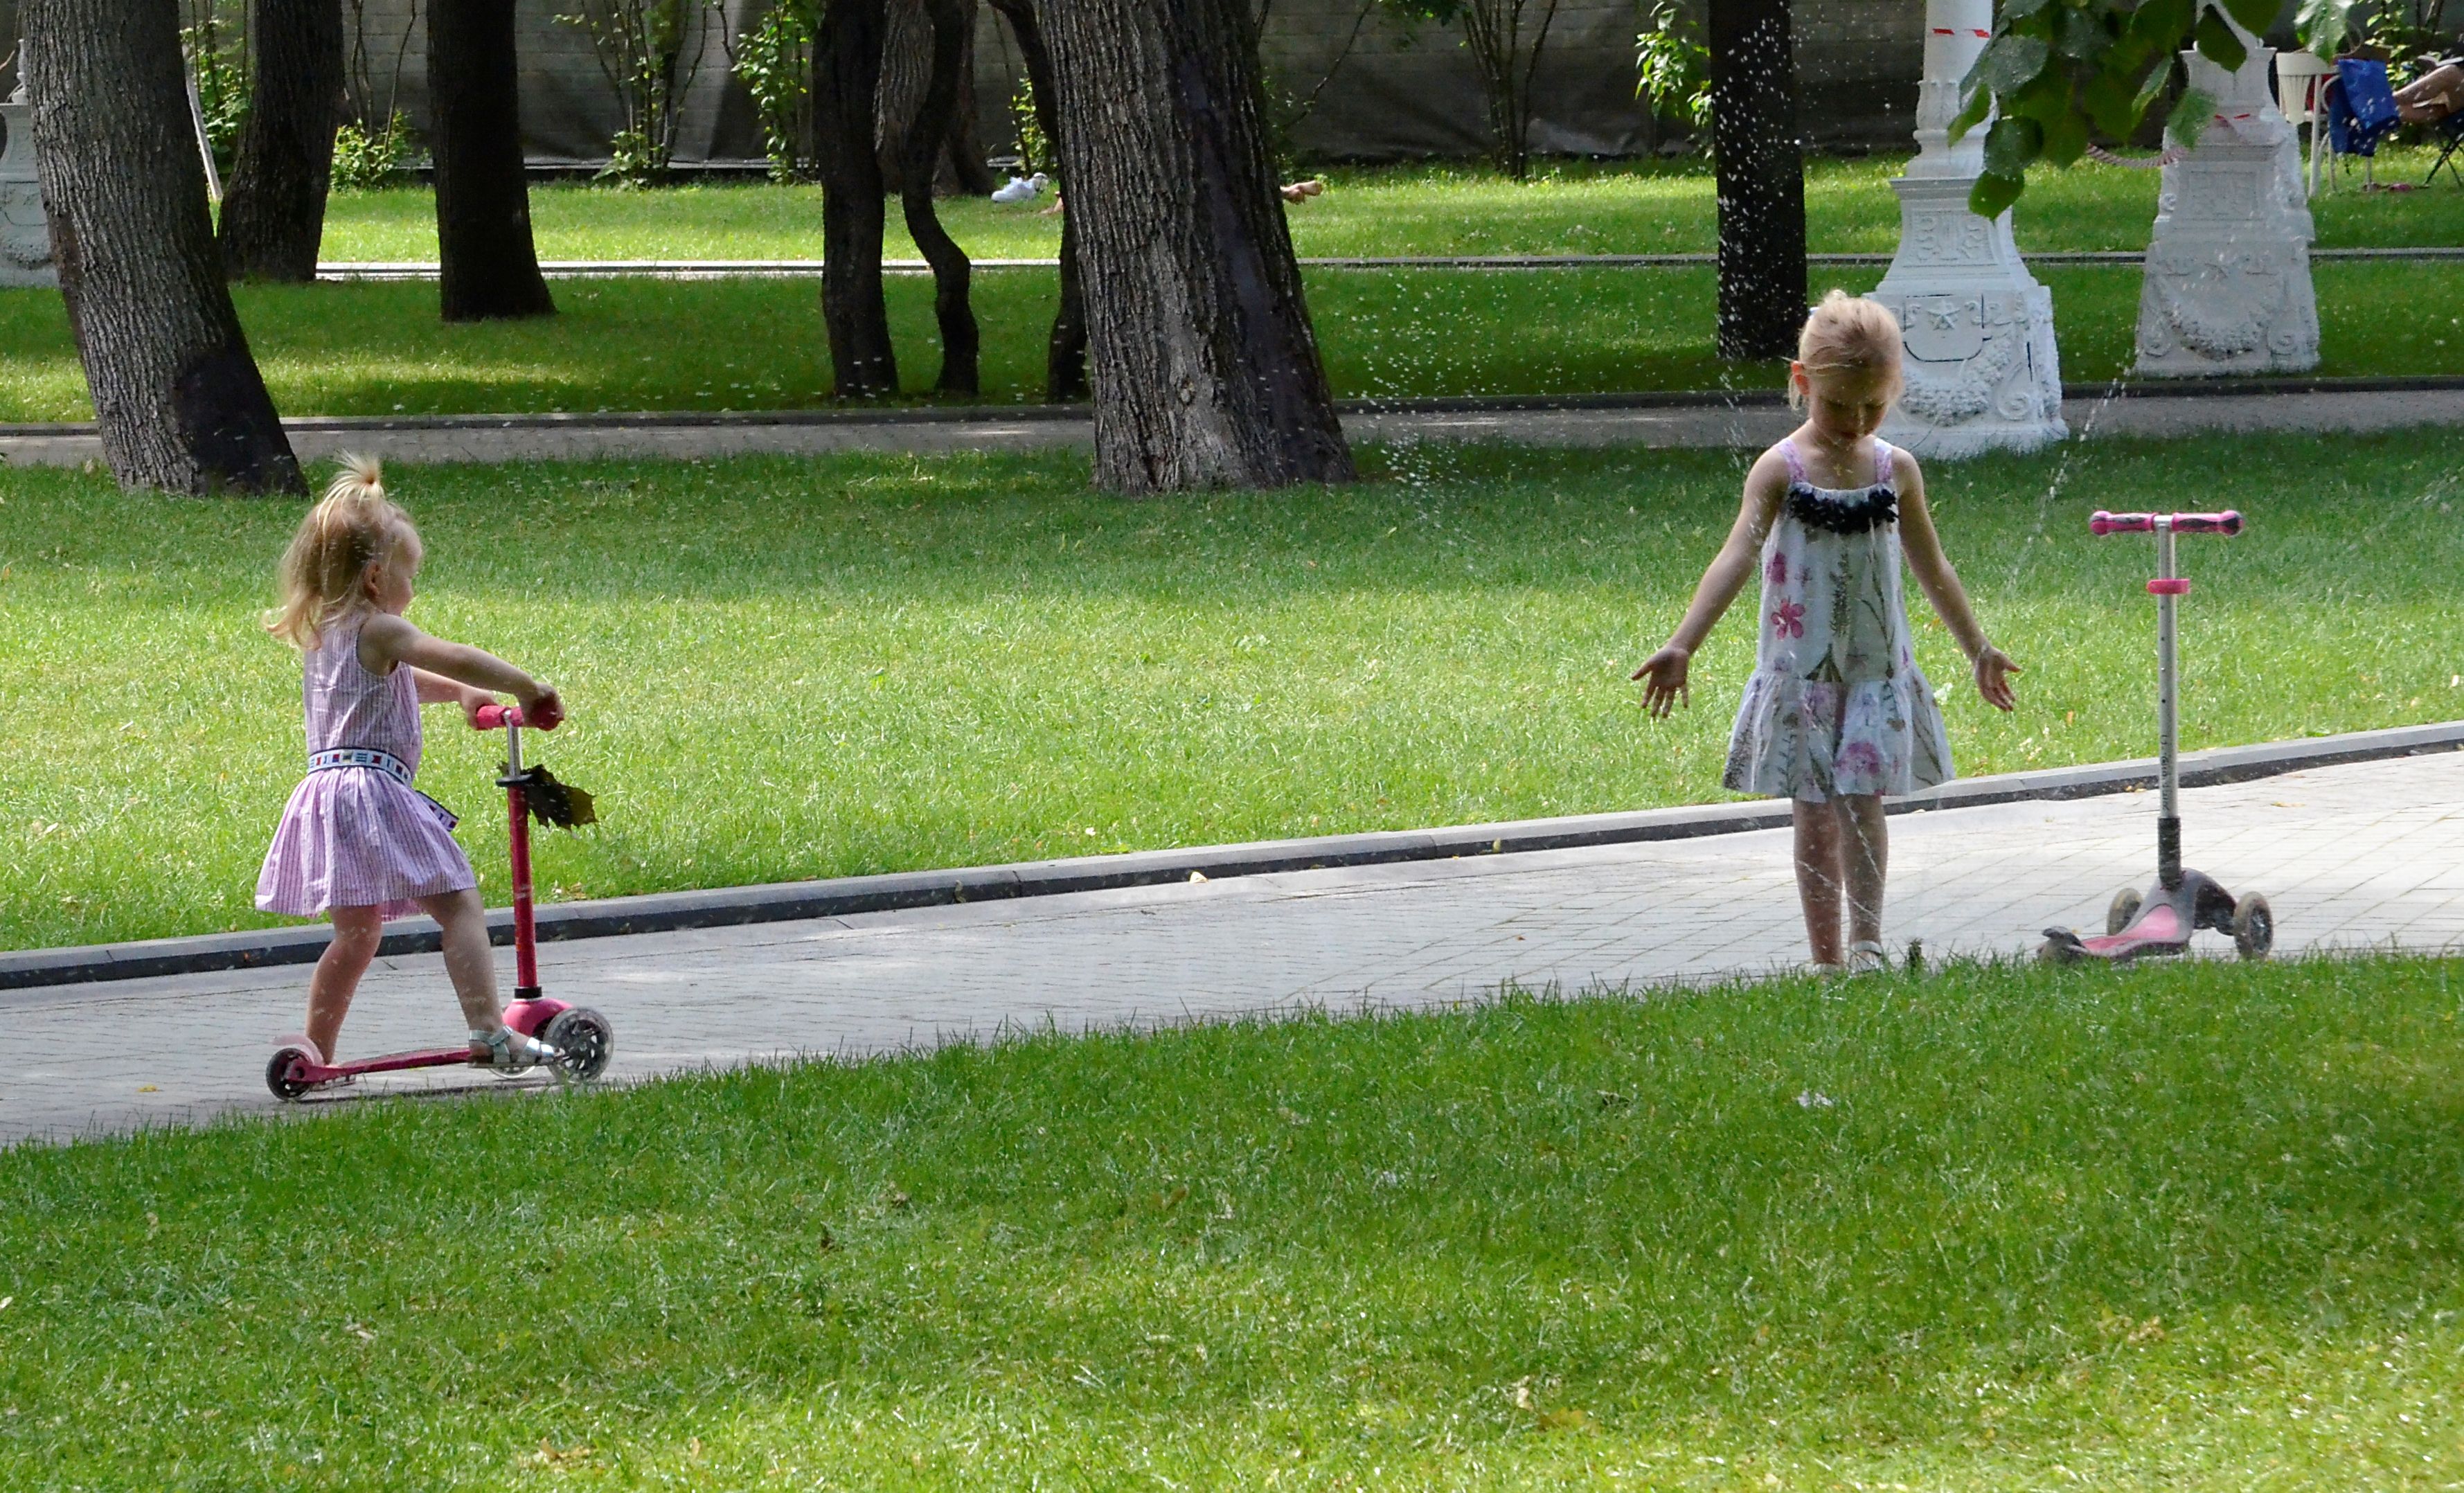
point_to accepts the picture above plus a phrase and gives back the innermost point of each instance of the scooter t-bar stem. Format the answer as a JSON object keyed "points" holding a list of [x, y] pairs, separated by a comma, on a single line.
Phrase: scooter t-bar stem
{"points": [[2168, 587], [517, 811], [2169, 811], [2228, 523]]}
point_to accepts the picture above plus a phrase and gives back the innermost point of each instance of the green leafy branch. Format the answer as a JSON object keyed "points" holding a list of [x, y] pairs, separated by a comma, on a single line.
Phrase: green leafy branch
{"points": [[2059, 71]]}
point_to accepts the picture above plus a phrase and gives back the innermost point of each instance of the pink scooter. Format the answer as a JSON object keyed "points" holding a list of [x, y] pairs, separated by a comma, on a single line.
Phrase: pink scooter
{"points": [[581, 1037], [2182, 902]]}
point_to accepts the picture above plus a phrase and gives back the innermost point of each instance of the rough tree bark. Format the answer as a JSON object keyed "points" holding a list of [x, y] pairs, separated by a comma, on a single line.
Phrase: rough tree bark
{"points": [[847, 76], [1760, 170], [490, 265], [273, 216], [176, 397], [1206, 369], [925, 139], [964, 159], [1065, 353], [906, 72]]}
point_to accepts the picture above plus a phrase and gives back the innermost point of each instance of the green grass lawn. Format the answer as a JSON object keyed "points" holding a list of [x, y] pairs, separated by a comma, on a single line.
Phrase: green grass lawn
{"points": [[377, 349], [1608, 208], [788, 668], [2181, 1228]]}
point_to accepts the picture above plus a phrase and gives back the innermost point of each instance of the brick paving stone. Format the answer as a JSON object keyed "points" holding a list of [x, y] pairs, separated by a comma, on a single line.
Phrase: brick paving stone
{"points": [[2369, 855]]}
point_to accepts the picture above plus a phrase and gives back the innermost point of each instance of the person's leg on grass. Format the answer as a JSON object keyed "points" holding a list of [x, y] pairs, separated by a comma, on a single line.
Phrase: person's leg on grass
{"points": [[1818, 878], [337, 976], [1865, 851]]}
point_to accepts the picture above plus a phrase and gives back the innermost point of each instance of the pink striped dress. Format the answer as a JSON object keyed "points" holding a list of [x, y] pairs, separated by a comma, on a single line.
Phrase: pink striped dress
{"points": [[356, 833]]}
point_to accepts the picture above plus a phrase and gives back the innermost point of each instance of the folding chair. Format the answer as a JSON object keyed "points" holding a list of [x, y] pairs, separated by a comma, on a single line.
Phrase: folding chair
{"points": [[2300, 82], [2451, 139]]}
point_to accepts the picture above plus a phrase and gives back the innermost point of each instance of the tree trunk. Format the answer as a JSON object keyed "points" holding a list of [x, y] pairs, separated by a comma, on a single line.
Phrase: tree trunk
{"points": [[847, 76], [963, 158], [925, 140], [176, 397], [490, 266], [1206, 368], [1065, 354], [1761, 175], [273, 216], [907, 61], [1064, 347], [906, 72]]}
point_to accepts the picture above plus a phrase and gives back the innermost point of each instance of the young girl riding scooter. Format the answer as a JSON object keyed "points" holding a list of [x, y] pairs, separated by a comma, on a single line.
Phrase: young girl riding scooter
{"points": [[358, 842]]}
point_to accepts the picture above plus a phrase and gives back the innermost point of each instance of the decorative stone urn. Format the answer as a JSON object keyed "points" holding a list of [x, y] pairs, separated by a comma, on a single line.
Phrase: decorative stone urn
{"points": [[2228, 277], [1978, 329], [25, 236]]}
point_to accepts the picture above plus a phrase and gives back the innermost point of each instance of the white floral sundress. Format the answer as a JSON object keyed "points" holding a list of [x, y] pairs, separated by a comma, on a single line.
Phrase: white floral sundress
{"points": [[1836, 704]]}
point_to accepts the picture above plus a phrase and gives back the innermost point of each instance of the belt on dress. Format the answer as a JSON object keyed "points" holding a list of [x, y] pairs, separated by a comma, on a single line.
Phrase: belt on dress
{"points": [[378, 759]]}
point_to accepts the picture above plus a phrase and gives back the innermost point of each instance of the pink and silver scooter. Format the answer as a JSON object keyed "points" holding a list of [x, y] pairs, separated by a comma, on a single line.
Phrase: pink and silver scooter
{"points": [[2162, 919], [581, 1037]]}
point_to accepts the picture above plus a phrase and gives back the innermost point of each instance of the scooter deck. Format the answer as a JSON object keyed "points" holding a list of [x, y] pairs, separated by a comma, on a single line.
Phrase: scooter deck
{"points": [[2157, 931], [526, 1017]]}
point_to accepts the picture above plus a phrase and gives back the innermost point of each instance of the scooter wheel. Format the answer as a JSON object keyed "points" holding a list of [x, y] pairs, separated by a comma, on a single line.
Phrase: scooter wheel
{"points": [[2124, 908], [280, 1071], [583, 1041], [2254, 927]]}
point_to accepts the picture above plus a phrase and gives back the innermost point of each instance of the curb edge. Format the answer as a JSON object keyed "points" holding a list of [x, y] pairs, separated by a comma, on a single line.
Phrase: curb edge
{"points": [[727, 907]]}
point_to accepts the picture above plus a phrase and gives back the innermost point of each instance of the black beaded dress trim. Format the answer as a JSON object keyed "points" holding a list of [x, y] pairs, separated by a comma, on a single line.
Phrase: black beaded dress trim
{"points": [[1843, 513]]}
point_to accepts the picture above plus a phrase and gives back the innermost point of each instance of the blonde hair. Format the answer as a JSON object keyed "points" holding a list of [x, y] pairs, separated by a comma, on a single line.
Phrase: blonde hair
{"points": [[353, 528], [1847, 334]]}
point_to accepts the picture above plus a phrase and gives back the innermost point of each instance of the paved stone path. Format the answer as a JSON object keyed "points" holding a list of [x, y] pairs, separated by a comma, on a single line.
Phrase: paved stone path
{"points": [[2351, 857]]}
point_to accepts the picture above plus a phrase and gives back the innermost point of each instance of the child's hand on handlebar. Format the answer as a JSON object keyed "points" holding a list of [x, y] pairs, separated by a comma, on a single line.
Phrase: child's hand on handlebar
{"points": [[543, 710], [1663, 676], [472, 702]]}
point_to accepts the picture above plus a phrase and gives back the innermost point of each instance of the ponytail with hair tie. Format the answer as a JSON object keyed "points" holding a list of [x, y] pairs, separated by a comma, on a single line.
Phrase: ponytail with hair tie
{"points": [[353, 527]]}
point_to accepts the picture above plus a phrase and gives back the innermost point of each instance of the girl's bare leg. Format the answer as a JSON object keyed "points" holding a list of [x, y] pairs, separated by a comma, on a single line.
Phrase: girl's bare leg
{"points": [[468, 962], [1819, 881], [1865, 851], [337, 979]]}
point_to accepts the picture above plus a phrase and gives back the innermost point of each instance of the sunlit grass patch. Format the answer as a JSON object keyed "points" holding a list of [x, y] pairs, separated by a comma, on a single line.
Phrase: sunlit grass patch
{"points": [[624, 345], [2186, 1227], [1568, 208], [790, 668]]}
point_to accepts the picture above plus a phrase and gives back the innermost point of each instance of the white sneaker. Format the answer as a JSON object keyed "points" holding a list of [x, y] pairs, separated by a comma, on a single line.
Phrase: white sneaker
{"points": [[507, 1051], [1867, 957]]}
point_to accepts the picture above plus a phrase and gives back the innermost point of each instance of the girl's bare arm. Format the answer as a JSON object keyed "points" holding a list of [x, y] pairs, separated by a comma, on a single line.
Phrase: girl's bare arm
{"points": [[1922, 547], [438, 690], [1666, 672], [447, 668]]}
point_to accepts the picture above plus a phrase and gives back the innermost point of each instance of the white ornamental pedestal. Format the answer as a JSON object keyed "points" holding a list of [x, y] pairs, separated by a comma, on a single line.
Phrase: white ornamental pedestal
{"points": [[2228, 278], [1982, 371], [25, 236]]}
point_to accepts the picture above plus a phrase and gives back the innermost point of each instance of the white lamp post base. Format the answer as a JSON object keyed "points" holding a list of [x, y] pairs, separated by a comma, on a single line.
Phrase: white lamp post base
{"points": [[2228, 278], [1976, 329], [25, 233]]}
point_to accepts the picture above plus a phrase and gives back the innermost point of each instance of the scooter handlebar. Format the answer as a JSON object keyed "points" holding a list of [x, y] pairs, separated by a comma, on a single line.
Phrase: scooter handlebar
{"points": [[2228, 523], [496, 718]]}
